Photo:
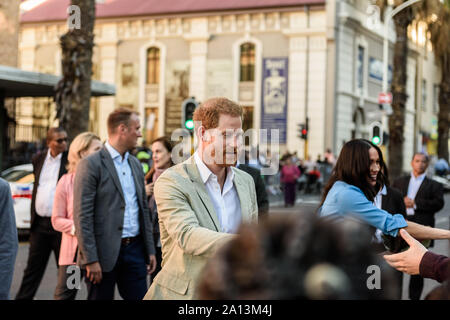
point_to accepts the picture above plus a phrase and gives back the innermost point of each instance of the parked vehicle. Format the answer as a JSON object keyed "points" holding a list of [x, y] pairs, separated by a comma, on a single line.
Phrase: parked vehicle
{"points": [[21, 181]]}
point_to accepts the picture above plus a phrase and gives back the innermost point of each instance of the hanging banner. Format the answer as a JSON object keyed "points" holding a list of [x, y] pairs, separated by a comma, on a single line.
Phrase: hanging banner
{"points": [[274, 96]]}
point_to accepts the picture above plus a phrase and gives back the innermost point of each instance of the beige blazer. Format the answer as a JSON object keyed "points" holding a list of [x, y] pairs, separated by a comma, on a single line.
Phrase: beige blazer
{"points": [[190, 229]]}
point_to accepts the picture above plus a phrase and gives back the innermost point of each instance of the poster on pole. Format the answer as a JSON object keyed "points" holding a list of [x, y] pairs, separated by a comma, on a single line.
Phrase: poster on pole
{"points": [[274, 96]]}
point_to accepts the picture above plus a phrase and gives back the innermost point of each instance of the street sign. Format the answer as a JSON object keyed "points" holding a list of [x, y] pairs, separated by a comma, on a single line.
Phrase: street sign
{"points": [[385, 98]]}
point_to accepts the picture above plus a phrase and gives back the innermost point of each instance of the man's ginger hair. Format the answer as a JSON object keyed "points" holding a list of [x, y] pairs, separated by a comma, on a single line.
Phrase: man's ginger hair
{"points": [[208, 112]]}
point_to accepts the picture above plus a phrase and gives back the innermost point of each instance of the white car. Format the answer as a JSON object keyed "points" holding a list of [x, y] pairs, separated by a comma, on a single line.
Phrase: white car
{"points": [[21, 181]]}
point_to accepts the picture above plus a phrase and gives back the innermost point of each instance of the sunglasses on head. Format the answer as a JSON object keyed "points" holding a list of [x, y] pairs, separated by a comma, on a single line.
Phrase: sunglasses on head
{"points": [[61, 140]]}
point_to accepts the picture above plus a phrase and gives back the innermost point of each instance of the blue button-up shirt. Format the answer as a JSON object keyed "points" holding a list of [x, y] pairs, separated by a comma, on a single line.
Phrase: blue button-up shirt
{"points": [[123, 169], [346, 199]]}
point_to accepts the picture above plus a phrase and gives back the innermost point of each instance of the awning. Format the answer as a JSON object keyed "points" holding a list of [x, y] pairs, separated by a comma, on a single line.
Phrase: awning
{"points": [[15, 83]]}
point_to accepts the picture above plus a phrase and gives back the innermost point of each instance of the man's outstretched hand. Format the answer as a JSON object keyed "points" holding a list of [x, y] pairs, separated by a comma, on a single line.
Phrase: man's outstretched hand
{"points": [[409, 260]]}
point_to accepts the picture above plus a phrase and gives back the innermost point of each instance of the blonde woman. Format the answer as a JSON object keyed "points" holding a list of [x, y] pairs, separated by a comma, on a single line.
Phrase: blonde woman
{"points": [[62, 215]]}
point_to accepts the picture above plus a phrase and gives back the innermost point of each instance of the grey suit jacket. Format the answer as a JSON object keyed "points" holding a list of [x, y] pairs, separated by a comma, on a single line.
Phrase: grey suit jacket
{"points": [[99, 207], [8, 240]]}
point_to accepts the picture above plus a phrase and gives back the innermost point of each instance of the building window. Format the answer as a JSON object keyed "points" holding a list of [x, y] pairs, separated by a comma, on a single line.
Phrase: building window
{"points": [[424, 95], [436, 98], [153, 65], [360, 69], [247, 62]]}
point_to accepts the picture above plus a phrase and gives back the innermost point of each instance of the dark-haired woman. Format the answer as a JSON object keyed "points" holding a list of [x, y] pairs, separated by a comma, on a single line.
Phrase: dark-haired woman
{"points": [[162, 160], [351, 191]]}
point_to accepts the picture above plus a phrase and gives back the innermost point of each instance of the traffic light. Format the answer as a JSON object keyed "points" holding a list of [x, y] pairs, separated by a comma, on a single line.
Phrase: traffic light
{"points": [[302, 131], [377, 134], [187, 108], [305, 133]]}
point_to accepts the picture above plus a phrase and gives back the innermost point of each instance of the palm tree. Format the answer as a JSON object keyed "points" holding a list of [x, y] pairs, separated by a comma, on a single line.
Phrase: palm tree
{"points": [[73, 92], [436, 14], [398, 86]]}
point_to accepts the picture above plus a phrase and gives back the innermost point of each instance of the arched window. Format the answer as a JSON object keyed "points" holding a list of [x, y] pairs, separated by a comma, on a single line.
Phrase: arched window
{"points": [[247, 62], [153, 65]]}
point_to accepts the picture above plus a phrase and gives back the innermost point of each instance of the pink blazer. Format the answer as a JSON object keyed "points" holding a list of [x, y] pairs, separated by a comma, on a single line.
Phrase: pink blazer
{"points": [[62, 218]]}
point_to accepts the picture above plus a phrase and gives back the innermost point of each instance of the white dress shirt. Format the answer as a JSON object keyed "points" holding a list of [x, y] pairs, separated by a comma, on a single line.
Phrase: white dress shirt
{"points": [[47, 185], [377, 202], [226, 203], [413, 187]]}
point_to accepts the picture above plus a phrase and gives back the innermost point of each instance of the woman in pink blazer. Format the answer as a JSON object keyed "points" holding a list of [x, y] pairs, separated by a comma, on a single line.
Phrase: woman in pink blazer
{"points": [[62, 214]]}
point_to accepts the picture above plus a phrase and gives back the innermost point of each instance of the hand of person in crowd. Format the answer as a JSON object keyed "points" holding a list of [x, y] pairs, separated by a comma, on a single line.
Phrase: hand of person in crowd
{"points": [[152, 266], [149, 189], [409, 260], [409, 203], [94, 272]]}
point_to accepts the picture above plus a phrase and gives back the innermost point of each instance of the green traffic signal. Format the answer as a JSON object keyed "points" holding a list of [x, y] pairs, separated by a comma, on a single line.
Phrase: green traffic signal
{"points": [[376, 140], [189, 124]]}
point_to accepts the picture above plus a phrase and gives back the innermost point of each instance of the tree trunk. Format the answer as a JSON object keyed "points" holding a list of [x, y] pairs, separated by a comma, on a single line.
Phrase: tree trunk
{"points": [[444, 110], [73, 92], [399, 96]]}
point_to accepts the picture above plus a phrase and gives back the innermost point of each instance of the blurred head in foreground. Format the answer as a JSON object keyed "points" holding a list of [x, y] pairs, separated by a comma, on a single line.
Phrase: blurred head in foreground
{"points": [[296, 256]]}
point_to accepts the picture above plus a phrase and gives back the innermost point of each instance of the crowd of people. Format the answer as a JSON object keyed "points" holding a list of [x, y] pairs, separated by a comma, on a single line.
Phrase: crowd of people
{"points": [[193, 226], [307, 176]]}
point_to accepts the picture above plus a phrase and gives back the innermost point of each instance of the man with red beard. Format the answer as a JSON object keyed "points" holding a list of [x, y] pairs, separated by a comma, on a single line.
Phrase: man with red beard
{"points": [[202, 201]]}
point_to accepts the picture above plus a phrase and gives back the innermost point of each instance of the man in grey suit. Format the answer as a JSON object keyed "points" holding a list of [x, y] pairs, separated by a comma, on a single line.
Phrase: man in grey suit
{"points": [[8, 240], [112, 220]]}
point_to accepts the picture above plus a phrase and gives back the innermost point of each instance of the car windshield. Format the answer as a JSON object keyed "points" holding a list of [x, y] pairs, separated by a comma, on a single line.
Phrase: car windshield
{"points": [[15, 175]]}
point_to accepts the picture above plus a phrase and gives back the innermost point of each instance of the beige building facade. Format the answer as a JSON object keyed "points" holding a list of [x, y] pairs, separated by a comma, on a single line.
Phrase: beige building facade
{"points": [[157, 62], [9, 32], [333, 53]]}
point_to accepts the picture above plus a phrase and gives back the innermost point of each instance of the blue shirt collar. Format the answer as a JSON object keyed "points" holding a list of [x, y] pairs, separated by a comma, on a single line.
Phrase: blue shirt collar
{"points": [[114, 153], [419, 178]]}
